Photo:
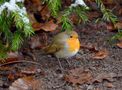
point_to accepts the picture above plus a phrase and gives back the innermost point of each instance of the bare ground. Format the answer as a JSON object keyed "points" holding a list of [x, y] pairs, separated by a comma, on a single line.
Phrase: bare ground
{"points": [[53, 76]]}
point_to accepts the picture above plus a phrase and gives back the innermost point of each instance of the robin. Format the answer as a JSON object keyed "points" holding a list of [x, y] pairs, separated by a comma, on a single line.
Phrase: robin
{"points": [[64, 45]]}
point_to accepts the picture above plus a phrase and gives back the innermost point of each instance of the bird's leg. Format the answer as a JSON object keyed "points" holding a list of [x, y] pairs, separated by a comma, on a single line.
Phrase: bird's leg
{"points": [[68, 62], [59, 64]]}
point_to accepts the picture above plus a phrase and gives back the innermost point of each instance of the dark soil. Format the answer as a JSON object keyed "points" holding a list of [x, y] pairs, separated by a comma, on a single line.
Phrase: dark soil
{"points": [[52, 76]]}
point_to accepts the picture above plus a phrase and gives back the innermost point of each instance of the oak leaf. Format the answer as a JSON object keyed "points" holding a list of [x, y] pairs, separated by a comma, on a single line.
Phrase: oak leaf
{"points": [[118, 25], [119, 44], [26, 83], [48, 26], [101, 54], [78, 76], [104, 76]]}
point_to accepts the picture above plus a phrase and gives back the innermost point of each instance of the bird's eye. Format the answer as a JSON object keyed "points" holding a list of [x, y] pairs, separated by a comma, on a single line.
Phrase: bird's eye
{"points": [[71, 36]]}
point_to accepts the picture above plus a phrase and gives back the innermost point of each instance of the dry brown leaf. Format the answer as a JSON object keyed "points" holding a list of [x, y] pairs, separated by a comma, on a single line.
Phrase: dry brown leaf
{"points": [[93, 14], [109, 85], [6, 68], [36, 26], [35, 42], [97, 88], [100, 54], [45, 13], [104, 76], [90, 47], [119, 44], [36, 2], [108, 2], [49, 26], [110, 27], [74, 18], [118, 25], [120, 11], [26, 83], [11, 76], [32, 18], [12, 56], [115, 27], [66, 3], [78, 76]]}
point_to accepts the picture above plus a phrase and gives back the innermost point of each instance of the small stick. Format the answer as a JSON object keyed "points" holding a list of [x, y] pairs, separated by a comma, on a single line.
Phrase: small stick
{"points": [[55, 87], [22, 61]]}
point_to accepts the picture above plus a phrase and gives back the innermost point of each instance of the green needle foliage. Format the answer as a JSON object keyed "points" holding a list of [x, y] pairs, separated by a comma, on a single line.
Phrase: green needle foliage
{"points": [[14, 28], [55, 7], [66, 22], [109, 17], [107, 13], [79, 10], [117, 36]]}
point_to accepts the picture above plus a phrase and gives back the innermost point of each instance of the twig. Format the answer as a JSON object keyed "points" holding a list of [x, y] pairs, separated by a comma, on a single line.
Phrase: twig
{"points": [[21, 61], [54, 87]]}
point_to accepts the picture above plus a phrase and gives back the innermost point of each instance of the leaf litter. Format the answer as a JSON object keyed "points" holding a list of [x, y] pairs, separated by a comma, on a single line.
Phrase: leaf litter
{"points": [[26, 83], [78, 76]]}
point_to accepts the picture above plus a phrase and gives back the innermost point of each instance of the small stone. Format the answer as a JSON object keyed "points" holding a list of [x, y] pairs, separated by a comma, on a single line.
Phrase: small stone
{"points": [[49, 56]]}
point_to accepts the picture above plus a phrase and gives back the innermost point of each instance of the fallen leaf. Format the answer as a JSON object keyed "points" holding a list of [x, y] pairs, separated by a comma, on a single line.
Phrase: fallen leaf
{"points": [[35, 42], [11, 76], [110, 27], [32, 18], [36, 2], [93, 14], [14, 75], [26, 83], [100, 54], [97, 88], [45, 13], [109, 85], [66, 3], [119, 44], [12, 56], [33, 6], [78, 76], [118, 25], [108, 2], [74, 18], [120, 11], [36, 26], [90, 47], [49, 26], [104, 76]]}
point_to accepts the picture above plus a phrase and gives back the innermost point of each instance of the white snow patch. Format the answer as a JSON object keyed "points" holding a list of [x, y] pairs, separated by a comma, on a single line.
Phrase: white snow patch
{"points": [[11, 6], [19, 0], [79, 2]]}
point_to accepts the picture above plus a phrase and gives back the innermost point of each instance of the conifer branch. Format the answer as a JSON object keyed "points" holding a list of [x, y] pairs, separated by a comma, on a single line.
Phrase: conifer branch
{"points": [[107, 13], [13, 14]]}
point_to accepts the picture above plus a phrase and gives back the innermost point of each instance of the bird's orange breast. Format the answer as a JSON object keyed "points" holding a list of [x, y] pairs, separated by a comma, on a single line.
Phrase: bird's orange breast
{"points": [[73, 44]]}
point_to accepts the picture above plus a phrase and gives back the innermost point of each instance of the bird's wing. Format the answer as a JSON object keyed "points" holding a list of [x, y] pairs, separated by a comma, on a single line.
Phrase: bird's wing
{"points": [[53, 48]]}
